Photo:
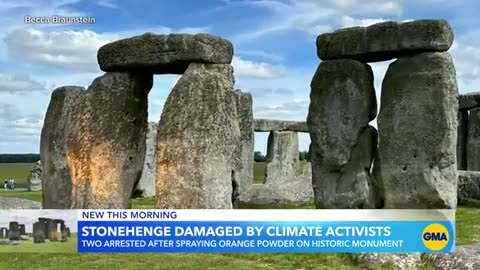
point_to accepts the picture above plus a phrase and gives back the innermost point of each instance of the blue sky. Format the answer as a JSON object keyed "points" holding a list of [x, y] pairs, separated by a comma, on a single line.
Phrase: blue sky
{"points": [[275, 55]]}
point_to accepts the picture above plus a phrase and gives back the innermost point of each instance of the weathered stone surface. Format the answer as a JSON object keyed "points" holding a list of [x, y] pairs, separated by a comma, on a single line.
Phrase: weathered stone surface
{"points": [[56, 179], [267, 125], [465, 257], [92, 142], [17, 203], [38, 233], [386, 40], [3, 232], [13, 231], [396, 260], [34, 180], [146, 185], [418, 123], [342, 104], [52, 231], [21, 228], [197, 137], [462, 135], [298, 190], [468, 186], [469, 101], [243, 174], [282, 157], [161, 54], [473, 141]]}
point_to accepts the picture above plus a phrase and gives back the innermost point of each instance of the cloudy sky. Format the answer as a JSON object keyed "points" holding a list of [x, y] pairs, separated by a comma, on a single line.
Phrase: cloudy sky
{"points": [[275, 54]]}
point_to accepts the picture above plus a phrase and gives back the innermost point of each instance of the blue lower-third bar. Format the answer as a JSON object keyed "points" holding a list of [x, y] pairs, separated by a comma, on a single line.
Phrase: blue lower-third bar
{"points": [[255, 236]]}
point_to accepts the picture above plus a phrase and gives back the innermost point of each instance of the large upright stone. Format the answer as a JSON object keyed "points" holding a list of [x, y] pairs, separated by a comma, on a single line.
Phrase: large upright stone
{"points": [[92, 142], [56, 179], [34, 180], [298, 191], [385, 40], [146, 185], [243, 175], [462, 136], [21, 228], [282, 157], [468, 186], [342, 104], [3, 232], [197, 138], [161, 54], [13, 231], [38, 232], [473, 140], [418, 133]]}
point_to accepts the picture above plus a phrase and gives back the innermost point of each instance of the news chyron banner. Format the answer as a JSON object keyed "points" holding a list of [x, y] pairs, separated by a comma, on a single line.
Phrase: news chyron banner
{"points": [[350, 231]]}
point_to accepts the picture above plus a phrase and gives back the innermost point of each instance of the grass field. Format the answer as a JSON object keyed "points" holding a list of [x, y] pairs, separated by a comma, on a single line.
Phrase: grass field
{"points": [[467, 229], [51, 247], [17, 171]]}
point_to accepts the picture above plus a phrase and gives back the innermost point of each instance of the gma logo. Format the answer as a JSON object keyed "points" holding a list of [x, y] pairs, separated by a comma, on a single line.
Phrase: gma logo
{"points": [[435, 237]]}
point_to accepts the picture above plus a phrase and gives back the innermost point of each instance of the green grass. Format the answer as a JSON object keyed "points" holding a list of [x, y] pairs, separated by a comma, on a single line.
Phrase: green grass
{"points": [[48, 247], [17, 171], [22, 193], [467, 230]]}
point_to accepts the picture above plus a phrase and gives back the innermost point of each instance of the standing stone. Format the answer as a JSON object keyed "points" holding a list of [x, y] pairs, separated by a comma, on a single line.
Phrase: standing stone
{"points": [[68, 231], [473, 141], [146, 185], [21, 228], [298, 191], [52, 230], [197, 137], [38, 233], [99, 140], [63, 232], [462, 136], [13, 231], [44, 223], [282, 157], [418, 133], [243, 174], [468, 187], [56, 180], [3, 233], [342, 104], [34, 180]]}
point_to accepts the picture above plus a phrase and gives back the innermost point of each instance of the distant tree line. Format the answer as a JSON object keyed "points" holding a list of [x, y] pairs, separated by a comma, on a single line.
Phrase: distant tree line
{"points": [[19, 158], [259, 157]]}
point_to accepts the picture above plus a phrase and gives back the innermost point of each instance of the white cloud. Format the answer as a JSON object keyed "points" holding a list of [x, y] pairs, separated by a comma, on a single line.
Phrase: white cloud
{"points": [[20, 83], [291, 110], [257, 70], [158, 102], [73, 50], [107, 4], [466, 59], [314, 17], [348, 21]]}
